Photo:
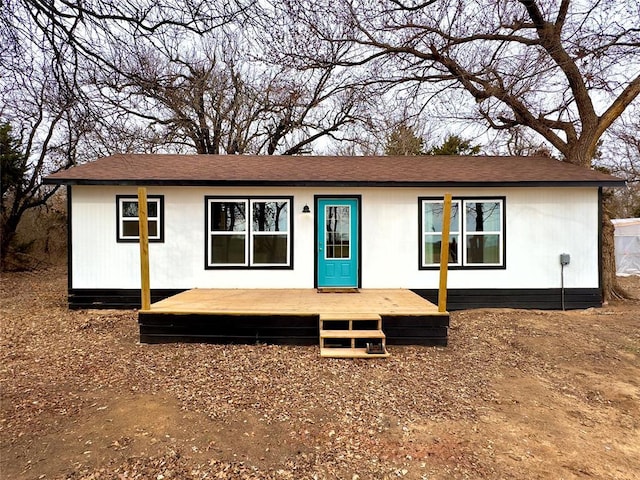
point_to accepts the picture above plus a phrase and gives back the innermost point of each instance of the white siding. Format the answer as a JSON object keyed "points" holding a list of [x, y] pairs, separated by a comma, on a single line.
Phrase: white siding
{"points": [[541, 223]]}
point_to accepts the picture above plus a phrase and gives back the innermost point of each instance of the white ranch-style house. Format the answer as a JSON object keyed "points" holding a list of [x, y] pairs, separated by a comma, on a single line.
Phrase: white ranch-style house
{"points": [[305, 222]]}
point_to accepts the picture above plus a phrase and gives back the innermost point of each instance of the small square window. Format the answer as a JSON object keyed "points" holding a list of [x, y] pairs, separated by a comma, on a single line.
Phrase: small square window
{"points": [[128, 226]]}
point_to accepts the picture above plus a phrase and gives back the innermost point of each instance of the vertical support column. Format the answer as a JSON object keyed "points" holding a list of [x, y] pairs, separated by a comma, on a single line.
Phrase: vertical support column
{"points": [[444, 254], [144, 249], [353, 340]]}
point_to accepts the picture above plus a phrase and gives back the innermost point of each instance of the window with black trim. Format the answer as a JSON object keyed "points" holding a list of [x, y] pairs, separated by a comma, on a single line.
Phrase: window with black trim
{"points": [[248, 232], [476, 237], [128, 229]]}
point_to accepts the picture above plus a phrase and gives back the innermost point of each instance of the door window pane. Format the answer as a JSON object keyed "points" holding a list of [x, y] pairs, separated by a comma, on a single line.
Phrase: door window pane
{"points": [[337, 231]]}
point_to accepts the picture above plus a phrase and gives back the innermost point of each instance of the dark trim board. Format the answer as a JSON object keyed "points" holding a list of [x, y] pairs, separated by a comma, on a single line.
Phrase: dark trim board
{"points": [[457, 299], [416, 330], [600, 252], [538, 298], [278, 329], [69, 237], [116, 298]]}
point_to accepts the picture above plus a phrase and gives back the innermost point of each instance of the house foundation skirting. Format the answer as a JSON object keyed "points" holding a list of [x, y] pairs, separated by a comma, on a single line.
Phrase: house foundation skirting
{"points": [[278, 329], [457, 299], [529, 298], [114, 298]]}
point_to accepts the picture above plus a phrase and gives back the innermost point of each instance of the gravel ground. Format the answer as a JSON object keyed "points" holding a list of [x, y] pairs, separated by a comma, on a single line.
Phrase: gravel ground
{"points": [[516, 394]]}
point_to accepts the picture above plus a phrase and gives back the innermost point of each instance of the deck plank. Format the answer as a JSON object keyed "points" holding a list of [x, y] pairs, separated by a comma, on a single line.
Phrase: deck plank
{"points": [[296, 301], [352, 334], [338, 352]]}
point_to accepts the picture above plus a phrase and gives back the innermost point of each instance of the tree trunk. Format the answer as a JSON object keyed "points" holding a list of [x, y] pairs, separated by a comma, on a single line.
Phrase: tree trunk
{"points": [[582, 155], [7, 234]]}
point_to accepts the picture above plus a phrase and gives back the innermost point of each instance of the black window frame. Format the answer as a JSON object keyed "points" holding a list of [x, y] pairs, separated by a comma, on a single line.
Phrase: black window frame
{"points": [[119, 234], [463, 234], [249, 231]]}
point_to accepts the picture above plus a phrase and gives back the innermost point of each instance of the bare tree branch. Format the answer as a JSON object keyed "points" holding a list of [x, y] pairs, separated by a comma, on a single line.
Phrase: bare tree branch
{"points": [[548, 66]]}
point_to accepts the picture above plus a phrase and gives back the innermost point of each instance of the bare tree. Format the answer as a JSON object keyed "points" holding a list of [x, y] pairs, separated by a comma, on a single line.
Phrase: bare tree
{"points": [[564, 70], [83, 79], [620, 155], [43, 119], [176, 70], [77, 30], [209, 95]]}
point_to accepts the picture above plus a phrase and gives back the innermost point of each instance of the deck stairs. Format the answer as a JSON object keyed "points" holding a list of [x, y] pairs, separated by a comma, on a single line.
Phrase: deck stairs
{"points": [[352, 335]]}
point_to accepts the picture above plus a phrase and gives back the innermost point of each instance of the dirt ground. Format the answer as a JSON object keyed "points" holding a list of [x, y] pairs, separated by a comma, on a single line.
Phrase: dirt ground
{"points": [[516, 394]]}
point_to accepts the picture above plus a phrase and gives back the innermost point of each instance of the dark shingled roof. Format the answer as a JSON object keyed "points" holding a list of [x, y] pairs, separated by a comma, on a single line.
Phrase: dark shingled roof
{"points": [[236, 170]]}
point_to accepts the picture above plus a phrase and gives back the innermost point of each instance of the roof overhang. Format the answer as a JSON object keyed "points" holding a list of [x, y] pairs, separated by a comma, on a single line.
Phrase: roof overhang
{"points": [[442, 171], [316, 183]]}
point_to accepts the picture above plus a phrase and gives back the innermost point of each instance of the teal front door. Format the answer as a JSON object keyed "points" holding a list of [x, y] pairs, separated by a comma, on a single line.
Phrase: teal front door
{"points": [[338, 256]]}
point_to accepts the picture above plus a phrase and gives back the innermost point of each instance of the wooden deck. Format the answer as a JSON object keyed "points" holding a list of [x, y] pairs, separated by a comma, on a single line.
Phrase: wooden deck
{"points": [[295, 301], [287, 316]]}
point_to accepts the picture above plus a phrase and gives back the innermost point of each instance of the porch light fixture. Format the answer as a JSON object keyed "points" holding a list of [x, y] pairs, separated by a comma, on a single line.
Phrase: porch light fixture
{"points": [[305, 209]]}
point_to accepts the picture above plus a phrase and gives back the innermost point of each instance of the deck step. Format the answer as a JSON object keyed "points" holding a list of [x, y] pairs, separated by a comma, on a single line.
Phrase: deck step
{"points": [[344, 335], [346, 352], [352, 334]]}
